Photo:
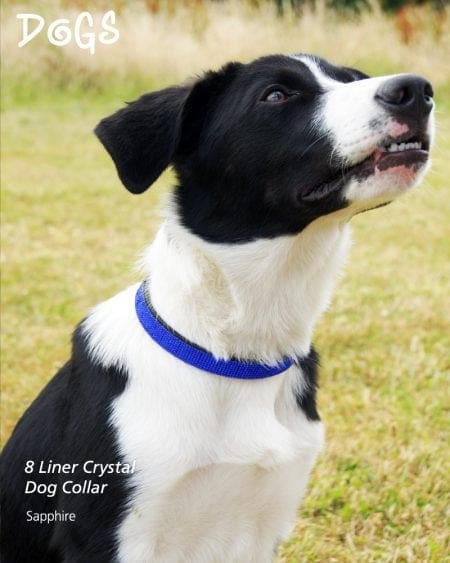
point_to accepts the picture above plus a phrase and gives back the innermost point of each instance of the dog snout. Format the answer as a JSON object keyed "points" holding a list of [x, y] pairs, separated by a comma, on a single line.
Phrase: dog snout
{"points": [[406, 96]]}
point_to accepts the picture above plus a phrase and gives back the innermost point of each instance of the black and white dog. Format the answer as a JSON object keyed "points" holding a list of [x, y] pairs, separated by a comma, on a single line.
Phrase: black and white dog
{"points": [[184, 426]]}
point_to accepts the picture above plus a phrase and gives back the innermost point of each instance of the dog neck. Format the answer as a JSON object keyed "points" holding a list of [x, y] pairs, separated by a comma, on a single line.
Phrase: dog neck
{"points": [[258, 300]]}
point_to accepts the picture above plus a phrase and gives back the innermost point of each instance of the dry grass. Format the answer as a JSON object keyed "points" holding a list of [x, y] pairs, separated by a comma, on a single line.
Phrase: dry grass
{"points": [[70, 232], [171, 48]]}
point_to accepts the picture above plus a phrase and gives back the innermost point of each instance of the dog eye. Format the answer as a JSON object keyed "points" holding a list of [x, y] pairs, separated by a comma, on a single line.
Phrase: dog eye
{"points": [[275, 96]]}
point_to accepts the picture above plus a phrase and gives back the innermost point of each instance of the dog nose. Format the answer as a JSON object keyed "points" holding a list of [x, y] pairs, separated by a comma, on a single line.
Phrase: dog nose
{"points": [[407, 95]]}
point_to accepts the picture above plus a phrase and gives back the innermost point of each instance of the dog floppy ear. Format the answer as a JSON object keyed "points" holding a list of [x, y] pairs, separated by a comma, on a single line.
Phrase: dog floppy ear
{"points": [[142, 137]]}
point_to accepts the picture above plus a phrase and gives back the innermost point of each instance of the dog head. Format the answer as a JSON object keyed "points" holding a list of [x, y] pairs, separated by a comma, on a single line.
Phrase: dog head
{"points": [[263, 149]]}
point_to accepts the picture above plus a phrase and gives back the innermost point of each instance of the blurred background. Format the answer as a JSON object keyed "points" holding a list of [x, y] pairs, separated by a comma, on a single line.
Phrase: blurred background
{"points": [[71, 233]]}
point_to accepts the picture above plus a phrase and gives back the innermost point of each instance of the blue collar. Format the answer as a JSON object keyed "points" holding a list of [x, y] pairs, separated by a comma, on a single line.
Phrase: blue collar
{"points": [[194, 355]]}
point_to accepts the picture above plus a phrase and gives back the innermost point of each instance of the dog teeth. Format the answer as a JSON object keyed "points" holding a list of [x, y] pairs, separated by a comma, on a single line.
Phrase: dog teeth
{"points": [[398, 147]]}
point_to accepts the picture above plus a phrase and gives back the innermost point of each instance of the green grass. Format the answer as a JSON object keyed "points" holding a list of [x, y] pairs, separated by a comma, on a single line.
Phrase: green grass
{"points": [[71, 234]]}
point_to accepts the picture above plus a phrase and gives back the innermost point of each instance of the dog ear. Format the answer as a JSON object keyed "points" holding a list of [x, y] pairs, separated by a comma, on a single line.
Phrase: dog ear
{"points": [[142, 137]]}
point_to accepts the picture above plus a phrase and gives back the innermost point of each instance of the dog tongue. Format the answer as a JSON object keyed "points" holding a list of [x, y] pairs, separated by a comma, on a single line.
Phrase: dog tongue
{"points": [[377, 155]]}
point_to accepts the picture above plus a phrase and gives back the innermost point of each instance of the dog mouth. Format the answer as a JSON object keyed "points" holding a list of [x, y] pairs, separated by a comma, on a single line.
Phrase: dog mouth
{"points": [[411, 153], [408, 152]]}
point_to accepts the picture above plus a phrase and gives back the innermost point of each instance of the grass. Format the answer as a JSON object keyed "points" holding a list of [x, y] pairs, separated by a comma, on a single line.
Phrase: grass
{"points": [[71, 233]]}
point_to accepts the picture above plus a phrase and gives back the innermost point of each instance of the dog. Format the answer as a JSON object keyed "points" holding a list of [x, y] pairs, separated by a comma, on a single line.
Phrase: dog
{"points": [[184, 426]]}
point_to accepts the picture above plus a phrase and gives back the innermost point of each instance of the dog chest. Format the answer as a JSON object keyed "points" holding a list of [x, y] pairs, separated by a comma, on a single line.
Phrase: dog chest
{"points": [[221, 512], [220, 466]]}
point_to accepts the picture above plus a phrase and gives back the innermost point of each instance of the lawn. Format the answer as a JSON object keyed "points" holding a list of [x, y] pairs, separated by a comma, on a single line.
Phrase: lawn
{"points": [[71, 234]]}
